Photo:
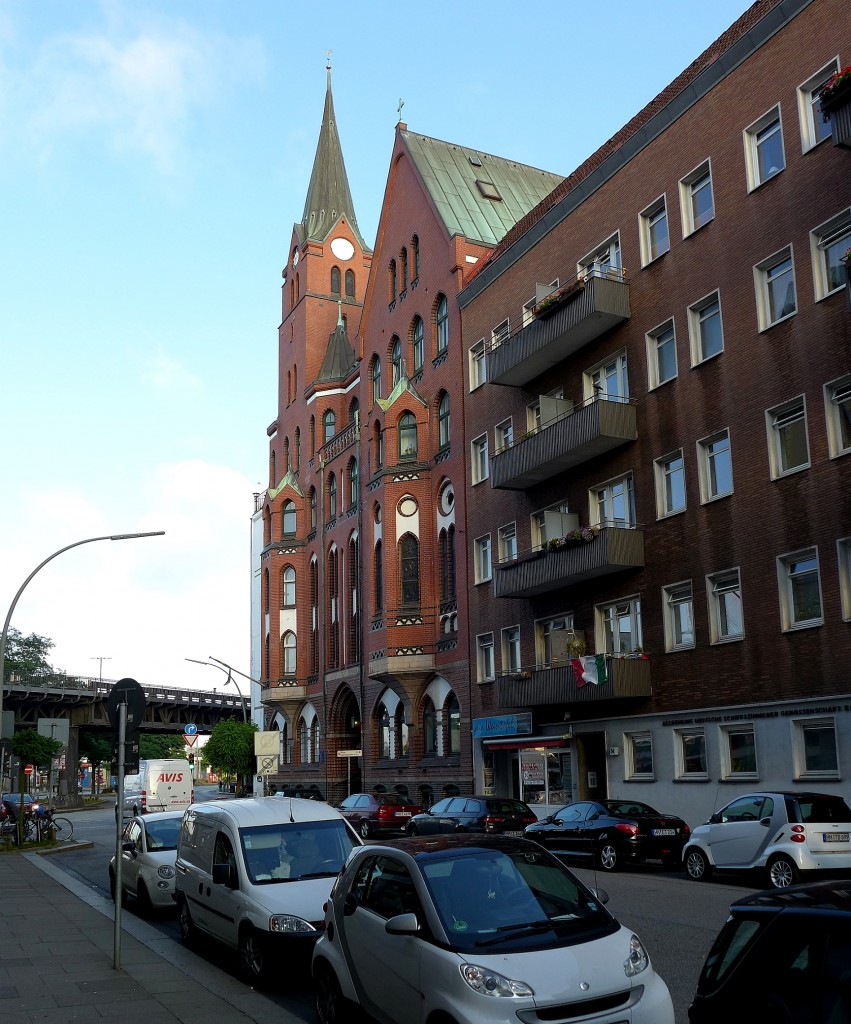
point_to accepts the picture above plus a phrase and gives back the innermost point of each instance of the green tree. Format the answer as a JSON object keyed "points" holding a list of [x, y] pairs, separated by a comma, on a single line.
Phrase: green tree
{"points": [[159, 744], [230, 748], [27, 655], [32, 748], [97, 747]]}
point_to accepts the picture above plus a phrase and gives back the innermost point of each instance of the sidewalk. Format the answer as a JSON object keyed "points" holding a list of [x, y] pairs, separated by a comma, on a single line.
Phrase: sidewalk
{"points": [[56, 961]]}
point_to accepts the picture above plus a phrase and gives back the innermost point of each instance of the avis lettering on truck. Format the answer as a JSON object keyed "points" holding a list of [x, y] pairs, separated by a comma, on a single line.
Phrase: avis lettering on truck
{"points": [[163, 784]]}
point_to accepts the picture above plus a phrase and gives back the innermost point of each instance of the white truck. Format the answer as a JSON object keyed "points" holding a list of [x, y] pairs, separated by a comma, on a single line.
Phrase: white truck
{"points": [[163, 784]]}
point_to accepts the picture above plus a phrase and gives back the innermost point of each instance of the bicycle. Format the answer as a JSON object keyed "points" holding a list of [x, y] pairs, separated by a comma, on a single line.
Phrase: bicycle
{"points": [[63, 828]]}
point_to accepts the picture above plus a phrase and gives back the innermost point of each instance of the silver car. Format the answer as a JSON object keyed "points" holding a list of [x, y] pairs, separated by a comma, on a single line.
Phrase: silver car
{"points": [[148, 853], [479, 929], [784, 832]]}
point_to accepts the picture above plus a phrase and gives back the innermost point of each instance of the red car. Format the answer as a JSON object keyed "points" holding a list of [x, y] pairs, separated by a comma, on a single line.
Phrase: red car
{"points": [[378, 813]]}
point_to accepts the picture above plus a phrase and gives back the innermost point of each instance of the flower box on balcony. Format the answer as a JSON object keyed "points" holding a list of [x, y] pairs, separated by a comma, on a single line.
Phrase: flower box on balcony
{"points": [[547, 306], [835, 103]]}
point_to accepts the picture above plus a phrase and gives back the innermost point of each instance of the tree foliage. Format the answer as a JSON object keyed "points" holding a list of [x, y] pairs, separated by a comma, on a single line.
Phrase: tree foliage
{"points": [[159, 744], [27, 655], [33, 748], [230, 748]]}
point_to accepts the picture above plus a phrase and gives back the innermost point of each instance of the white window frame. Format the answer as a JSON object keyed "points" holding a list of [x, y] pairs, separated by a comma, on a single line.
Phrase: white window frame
{"points": [[785, 565], [764, 274], [482, 559], [479, 465], [696, 320], [704, 463], [507, 552], [714, 582], [607, 639], [478, 365], [665, 333], [528, 314], [663, 474], [775, 433], [501, 333], [843, 558], [647, 219], [687, 194], [765, 127], [544, 629], [604, 260], [605, 494], [799, 728], [671, 595], [630, 740], [728, 770], [613, 368], [503, 435], [510, 644], [832, 236], [485, 668], [538, 520], [680, 738], [814, 130]]}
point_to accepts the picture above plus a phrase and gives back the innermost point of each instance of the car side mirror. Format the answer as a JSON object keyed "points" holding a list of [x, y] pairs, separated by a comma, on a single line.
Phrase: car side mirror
{"points": [[226, 874], [714, 819], [402, 924], [128, 847]]}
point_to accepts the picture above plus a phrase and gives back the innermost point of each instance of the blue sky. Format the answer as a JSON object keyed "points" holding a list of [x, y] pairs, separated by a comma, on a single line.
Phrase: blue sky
{"points": [[153, 158]]}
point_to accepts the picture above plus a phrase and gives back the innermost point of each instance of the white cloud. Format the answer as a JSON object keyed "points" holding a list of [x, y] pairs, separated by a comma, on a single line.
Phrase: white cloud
{"points": [[165, 373]]}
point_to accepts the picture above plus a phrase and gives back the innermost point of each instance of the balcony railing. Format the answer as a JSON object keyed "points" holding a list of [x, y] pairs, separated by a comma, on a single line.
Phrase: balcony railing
{"points": [[574, 437], [283, 689], [586, 314], [625, 677], [536, 572]]}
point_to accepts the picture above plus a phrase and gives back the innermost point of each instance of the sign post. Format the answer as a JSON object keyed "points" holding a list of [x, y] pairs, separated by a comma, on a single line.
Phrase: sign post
{"points": [[349, 754]]}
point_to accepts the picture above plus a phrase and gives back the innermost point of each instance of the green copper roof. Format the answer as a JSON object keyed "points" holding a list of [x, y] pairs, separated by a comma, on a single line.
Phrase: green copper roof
{"points": [[477, 195]]}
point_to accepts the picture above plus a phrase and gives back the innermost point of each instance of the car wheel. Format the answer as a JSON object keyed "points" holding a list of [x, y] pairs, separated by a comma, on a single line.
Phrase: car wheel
{"points": [[413, 830], [697, 865], [607, 857], [112, 890], [331, 1007], [782, 872], [185, 924], [364, 830], [252, 962]]}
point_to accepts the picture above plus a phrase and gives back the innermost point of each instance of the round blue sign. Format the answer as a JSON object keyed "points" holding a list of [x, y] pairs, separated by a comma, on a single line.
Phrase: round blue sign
{"points": [[190, 730]]}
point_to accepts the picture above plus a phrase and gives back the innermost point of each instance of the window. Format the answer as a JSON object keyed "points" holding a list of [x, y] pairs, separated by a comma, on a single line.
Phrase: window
{"points": [[541, 291], [500, 334], [415, 258], [550, 524], [478, 369], [670, 484], [403, 262], [696, 201], [504, 434], [392, 280], [691, 753], [678, 616], [453, 716], [511, 649], [447, 565], [288, 587], [788, 447], [484, 657], [288, 519], [379, 446], [843, 552], [312, 503], [335, 280], [375, 378], [288, 664], [479, 455], [639, 755], [418, 345], [705, 330], [332, 496], [764, 148], [429, 727], [814, 748], [613, 504], [724, 596], [653, 229], [662, 354], [619, 626], [395, 361], [608, 380], [353, 483], [329, 425], [441, 325], [604, 261], [407, 436], [828, 244], [738, 752], [814, 129], [378, 578], [715, 462], [482, 558], [409, 562], [551, 639], [508, 543], [774, 280], [443, 424], [800, 589], [350, 285]]}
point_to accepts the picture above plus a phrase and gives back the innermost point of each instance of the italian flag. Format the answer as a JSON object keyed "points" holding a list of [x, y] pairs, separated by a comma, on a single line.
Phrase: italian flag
{"points": [[594, 669]]}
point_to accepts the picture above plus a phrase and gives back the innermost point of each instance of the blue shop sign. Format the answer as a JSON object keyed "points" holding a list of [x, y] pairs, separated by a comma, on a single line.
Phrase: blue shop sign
{"points": [[504, 725]]}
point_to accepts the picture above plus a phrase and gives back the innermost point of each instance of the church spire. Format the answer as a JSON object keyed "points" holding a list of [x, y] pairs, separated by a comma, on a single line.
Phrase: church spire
{"points": [[328, 196]]}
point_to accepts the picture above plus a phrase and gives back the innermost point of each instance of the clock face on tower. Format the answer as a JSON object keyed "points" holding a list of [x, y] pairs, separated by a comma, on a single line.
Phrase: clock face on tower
{"points": [[342, 248], [295, 258]]}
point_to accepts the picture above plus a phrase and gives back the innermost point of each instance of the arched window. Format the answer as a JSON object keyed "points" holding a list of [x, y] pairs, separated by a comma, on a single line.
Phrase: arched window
{"points": [[378, 579], [443, 431], [289, 388], [403, 742], [417, 342], [286, 455], [267, 526], [303, 748], [453, 725], [297, 448], [350, 284], [332, 496], [314, 741], [409, 565], [392, 280], [354, 493], [429, 727], [329, 425], [295, 382], [354, 601], [354, 409], [288, 587], [395, 361], [312, 503], [314, 614], [447, 564], [407, 430], [403, 260], [375, 378], [267, 655], [378, 438], [312, 436], [415, 258], [288, 519], [292, 293], [266, 592], [332, 611], [288, 663], [441, 325], [335, 280], [273, 479]]}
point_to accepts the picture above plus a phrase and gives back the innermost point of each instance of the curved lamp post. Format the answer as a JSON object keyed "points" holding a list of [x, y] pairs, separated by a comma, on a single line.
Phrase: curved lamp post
{"points": [[230, 679]]}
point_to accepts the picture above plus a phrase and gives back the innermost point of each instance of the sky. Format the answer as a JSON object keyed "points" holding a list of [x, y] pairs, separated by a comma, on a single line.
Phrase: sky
{"points": [[154, 156]]}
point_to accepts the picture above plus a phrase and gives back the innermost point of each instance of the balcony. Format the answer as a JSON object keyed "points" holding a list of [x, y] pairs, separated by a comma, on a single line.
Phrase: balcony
{"points": [[601, 304], [542, 570], [411, 666], [561, 444], [625, 678], [281, 690]]}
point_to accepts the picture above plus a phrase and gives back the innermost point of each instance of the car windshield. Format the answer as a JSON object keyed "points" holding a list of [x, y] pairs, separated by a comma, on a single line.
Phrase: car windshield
{"points": [[822, 808], [289, 852], [492, 898], [162, 835]]}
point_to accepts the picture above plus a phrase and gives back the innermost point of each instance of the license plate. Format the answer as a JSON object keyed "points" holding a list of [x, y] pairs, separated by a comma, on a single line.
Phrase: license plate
{"points": [[836, 837], [403, 814], [663, 832], [512, 833]]}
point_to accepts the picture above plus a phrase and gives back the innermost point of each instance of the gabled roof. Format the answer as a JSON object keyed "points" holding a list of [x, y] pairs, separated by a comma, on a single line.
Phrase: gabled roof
{"points": [[339, 358], [328, 195], [476, 195]]}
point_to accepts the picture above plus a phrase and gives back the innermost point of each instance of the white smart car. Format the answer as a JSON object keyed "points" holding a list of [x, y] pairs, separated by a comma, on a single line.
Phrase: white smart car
{"points": [[148, 853]]}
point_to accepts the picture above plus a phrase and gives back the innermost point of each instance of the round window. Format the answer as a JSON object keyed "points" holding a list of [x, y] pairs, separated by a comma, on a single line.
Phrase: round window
{"points": [[447, 499], [408, 506]]}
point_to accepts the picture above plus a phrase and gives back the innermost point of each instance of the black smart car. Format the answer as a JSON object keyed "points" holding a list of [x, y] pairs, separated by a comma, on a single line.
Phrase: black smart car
{"points": [[783, 955], [494, 814]]}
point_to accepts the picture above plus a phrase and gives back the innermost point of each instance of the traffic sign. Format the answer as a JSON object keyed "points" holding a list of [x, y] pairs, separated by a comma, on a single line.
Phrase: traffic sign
{"points": [[190, 741], [129, 692], [267, 764], [28, 770], [190, 729], [350, 753]]}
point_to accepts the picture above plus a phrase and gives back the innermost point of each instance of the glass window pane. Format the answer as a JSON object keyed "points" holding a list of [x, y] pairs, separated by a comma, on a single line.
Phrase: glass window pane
{"points": [[780, 282], [742, 752], [711, 341], [819, 748]]}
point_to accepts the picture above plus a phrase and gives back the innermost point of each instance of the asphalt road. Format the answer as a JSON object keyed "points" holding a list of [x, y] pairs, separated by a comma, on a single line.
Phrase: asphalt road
{"points": [[677, 919]]}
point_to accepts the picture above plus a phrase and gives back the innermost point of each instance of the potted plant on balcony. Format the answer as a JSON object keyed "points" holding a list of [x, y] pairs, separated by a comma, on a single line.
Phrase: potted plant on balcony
{"points": [[557, 298], [835, 104]]}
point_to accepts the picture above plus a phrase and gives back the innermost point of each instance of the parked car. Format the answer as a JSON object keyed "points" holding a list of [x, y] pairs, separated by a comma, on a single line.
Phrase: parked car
{"points": [[384, 813], [782, 956], [612, 832], [783, 832], [148, 853], [12, 803], [493, 814], [477, 928]]}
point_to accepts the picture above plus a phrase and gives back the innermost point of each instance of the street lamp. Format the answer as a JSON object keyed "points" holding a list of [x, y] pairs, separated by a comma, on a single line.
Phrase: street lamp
{"points": [[222, 668]]}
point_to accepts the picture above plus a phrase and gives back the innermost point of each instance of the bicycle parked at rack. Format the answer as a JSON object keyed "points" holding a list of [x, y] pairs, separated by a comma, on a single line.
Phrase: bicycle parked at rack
{"points": [[63, 828]]}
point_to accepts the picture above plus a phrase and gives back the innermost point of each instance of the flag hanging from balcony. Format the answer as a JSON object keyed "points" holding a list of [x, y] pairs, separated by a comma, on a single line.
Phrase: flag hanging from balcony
{"points": [[578, 669], [594, 669]]}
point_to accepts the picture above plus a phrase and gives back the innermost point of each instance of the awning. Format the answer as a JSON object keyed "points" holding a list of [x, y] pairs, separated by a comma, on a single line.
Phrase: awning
{"points": [[525, 742]]}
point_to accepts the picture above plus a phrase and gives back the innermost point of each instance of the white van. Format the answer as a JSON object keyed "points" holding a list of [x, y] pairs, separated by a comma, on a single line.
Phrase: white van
{"points": [[163, 784], [255, 873]]}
